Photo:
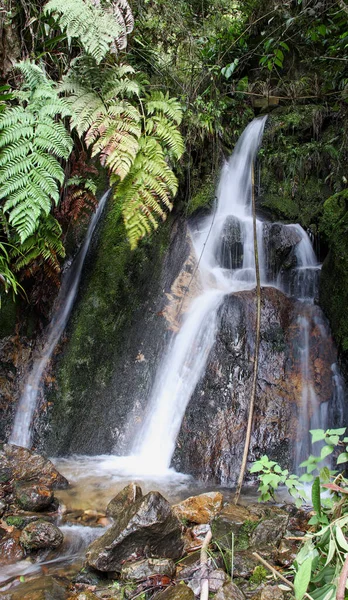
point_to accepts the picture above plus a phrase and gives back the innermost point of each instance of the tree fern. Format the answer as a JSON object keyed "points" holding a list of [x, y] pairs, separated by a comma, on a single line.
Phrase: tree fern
{"points": [[98, 28], [31, 140]]}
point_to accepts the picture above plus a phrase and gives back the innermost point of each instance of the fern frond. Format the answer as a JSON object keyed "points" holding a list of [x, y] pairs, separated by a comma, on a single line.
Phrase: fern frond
{"points": [[148, 187], [31, 139], [160, 103], [167, 133], [99, 29]]}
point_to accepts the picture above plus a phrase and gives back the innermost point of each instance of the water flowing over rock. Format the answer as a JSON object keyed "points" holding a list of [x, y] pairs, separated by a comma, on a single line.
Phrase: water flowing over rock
{"points": [[213, 429], [148, 527]]}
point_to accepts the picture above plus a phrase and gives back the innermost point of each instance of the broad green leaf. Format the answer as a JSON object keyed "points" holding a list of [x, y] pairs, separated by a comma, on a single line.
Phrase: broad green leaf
{"points": [[326, 451], [302, 578], [342, 458], [317, 435], [341, 538]]}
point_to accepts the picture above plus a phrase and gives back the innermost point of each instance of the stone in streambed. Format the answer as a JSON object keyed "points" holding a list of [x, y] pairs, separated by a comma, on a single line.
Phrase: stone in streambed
{"points": [[272, 592], [142, 569], [10, 549], [41, 534], [40, 588], [176, 592], [147, 528], [24, 465], [229, 591], [237, 520], [199, 509], [33, 497], [270, 530], [129, 495]]}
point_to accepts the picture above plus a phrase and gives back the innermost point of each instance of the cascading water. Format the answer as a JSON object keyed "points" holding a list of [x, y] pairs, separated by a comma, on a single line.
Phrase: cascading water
{"points": [[188, 353], [22, 428]]}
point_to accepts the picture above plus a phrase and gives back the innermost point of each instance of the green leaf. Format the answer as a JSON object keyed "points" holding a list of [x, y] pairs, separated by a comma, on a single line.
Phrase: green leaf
{"points": [[325, 451], [331, 552], [317, 435], [316, 496], [341, 538], [302, 578], [342, 458]]}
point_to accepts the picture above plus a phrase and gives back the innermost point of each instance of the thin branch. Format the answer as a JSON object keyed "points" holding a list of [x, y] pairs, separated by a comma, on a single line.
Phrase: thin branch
{"points": [[341, 588], [277, 574], [257, 344]]}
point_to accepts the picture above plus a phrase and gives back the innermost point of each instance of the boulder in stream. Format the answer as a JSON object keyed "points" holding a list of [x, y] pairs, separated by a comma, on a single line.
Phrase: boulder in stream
{"points": [[176, 592], [33, 497], [146, 528], [41, 535], [129, 495], [140, 570]]}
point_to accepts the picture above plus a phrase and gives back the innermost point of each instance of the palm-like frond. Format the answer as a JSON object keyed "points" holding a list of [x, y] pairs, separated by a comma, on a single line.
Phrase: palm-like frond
{"points": [[31, 140]]}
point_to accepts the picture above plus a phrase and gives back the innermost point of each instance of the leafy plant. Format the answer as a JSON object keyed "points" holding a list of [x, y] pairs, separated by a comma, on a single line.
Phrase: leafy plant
{"points": [[99, 28], [319, 562], [31, 141]]}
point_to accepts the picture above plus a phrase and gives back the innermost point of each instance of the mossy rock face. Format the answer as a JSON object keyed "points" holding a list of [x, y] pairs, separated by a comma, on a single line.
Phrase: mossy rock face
{"points": [[334, 276], [115, 339]]}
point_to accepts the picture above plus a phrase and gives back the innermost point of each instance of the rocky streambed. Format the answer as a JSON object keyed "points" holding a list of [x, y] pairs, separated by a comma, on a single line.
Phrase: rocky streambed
{"points": [[139, 546]]}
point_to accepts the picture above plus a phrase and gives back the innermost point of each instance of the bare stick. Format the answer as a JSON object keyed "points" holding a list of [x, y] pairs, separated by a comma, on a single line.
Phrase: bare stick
{"points": [[257, 345], [341, 588], [204, 567], [277, 574]]}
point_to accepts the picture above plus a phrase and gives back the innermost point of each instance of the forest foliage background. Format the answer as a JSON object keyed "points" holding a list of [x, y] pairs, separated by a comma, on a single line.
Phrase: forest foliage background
{"points": [[153, 95]]}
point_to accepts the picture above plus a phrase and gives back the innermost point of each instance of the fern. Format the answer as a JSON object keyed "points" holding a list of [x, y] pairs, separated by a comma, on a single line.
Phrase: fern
{"points": [[149, 185], [98, 28], [44, 246], [101, 112], [31, 140]]}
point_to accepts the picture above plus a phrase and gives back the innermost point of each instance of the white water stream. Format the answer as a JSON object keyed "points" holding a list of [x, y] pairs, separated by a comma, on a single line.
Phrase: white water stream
{"points": [[22, 428]]}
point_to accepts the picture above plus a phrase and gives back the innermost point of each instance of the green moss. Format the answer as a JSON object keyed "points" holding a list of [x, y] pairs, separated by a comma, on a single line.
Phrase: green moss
{"points": [[8, 315], [203, 197], [18, 522], [334, 276], [112, 297], [259, 575]]}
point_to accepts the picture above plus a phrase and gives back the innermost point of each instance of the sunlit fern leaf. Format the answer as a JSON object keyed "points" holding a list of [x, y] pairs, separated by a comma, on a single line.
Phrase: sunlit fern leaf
{"points": [[110, 123], [122, 13], [146, 191], [167, 133], [31, 141], [159, 103], [99, 28]]}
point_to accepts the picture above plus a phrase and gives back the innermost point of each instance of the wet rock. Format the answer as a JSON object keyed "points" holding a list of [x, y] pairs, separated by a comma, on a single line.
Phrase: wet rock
{"points": [[148, 528], [286, 553], [271, 592], [85, 595], [176, 592], [32, 496], [211, 438], [142, 569], [281, 240], [20, 520], [229, 591], [270, 530], [40, 535], [237, 520], [87, 577], [194, 536], [25, 465], [199, 509], [231, 253], [129, 495], [217, 578], [3, 507], [243, 564], [40, 588], [10, 548]]}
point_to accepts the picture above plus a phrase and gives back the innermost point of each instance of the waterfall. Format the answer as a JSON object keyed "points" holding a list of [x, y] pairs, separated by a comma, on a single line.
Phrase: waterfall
{"points": [[22, 428], [188, 352]]}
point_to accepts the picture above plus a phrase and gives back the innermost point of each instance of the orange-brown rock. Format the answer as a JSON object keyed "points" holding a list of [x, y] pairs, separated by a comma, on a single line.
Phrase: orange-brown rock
{"points": [[199, 509]]}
